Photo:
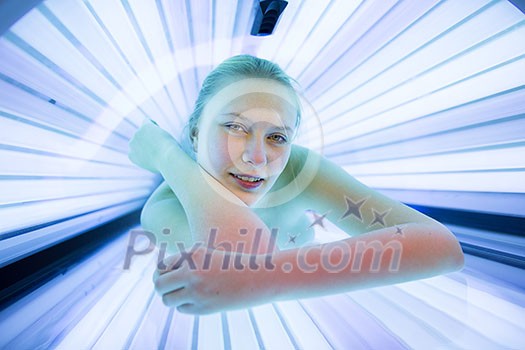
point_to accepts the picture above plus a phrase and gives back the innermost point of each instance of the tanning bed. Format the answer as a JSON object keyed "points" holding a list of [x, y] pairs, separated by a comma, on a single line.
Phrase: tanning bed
{"points": [[423, 100]]}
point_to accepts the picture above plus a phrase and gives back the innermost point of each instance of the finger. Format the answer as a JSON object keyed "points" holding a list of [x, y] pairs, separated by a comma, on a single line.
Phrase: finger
{"points": [[188, 308], [170, 263], [156, 275], [169, 282], [176, 298]]}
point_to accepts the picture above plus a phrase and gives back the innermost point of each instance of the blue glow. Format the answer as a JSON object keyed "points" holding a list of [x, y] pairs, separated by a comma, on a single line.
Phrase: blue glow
{"points": [[424, 100]]}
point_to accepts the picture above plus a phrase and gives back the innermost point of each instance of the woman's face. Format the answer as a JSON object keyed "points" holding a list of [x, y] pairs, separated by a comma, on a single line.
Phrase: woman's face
{"points": [[246, 142]]}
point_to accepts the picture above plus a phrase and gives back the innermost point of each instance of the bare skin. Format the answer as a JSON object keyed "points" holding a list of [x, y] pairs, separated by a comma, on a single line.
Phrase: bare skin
{"points": [[289, 217], [388, 241]]}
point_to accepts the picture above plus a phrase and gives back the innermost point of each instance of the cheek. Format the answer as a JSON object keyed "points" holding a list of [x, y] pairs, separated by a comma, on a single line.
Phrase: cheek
{"points": [[222, 151], [278, 160]]}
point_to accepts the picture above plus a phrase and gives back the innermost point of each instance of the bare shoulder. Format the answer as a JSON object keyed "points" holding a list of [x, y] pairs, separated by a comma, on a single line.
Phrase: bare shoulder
{"points": [[164, 216], [162, 202], [347, 202]]}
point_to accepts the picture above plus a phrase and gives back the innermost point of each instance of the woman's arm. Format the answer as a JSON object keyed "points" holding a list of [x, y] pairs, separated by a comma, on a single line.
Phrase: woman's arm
{"points": [[353, 207], [215, 281], [390, 242], [393, 243], [209, 207], [164, 216], [385, 256]]}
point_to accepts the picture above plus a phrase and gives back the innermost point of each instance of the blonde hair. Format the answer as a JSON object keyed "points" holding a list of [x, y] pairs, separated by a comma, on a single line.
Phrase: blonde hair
{"points": [[234, 68]]}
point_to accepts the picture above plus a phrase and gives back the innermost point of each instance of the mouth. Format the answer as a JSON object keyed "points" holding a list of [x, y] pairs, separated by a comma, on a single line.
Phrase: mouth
{"points": [[248, 182]]}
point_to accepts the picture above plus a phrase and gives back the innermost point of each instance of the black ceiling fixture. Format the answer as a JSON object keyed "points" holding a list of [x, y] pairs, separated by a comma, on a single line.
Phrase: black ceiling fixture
{"points": [[12, 10], [266, 16], [520, 4]]}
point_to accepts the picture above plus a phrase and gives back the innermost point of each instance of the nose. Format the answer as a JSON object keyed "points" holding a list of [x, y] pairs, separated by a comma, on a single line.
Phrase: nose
{"points": [[255, 152]]}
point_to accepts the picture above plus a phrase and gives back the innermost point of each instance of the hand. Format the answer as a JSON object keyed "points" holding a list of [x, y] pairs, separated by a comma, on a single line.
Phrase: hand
{"points": [[148, 145], [198, 282]]}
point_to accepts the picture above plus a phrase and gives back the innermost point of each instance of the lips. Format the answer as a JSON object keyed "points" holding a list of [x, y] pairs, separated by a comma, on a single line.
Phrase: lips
{"points": [[248, 182]]}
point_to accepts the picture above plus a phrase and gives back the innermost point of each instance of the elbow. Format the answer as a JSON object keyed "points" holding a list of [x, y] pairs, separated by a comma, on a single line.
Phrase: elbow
{"points": [[458, 258], [453, 257], [145, 218]]}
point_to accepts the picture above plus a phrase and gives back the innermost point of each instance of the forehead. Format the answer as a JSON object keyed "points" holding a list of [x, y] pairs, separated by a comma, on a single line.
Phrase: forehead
{"points": [[262, 107], [254, 97]]}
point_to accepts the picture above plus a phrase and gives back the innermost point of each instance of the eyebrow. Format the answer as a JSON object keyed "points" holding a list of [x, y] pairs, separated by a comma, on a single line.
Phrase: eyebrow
{"points": [[240, 116]]}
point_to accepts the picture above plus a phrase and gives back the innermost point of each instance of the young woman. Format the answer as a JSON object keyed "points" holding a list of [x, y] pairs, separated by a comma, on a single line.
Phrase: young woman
{"points": [[233, 207]]}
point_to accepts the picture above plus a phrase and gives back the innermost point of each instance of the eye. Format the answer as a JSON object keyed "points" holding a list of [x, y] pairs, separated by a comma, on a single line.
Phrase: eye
{"points": [[234, 127], [278, 138]]}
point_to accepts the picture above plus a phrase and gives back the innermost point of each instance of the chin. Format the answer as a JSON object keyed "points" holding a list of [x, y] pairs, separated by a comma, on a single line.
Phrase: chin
{"points": [[249, 199]]}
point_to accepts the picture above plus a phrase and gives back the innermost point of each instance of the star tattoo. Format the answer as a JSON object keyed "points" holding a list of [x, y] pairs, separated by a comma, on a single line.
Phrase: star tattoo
{"points": [[291, 238], [399, 231], [318, 220], [353, 208], [379, 218]]}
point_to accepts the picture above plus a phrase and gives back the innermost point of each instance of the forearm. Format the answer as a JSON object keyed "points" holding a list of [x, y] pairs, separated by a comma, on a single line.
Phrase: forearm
{"points": [[380, 257], [209, 205]]}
